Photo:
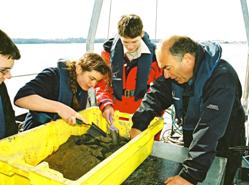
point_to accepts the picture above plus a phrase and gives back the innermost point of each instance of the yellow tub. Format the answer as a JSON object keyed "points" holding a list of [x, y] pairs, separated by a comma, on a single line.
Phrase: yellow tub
{"points": [[21, 154]]}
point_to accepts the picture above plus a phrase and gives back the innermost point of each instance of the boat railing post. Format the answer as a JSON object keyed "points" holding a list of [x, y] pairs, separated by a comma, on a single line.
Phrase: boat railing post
{"points": [[246, 85], [93, 25]]}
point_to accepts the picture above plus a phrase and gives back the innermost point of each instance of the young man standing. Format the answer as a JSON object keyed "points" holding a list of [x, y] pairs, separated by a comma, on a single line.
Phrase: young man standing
{"points": [[8, 53], [131, 55]]}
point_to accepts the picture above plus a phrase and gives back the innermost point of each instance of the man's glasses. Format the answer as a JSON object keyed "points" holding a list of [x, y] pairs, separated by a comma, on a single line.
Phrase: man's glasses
{"points": [[4, 70]]}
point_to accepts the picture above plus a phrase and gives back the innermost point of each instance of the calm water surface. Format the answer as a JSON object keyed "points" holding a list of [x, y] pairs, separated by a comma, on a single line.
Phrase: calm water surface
{"points": [[36, 57]]}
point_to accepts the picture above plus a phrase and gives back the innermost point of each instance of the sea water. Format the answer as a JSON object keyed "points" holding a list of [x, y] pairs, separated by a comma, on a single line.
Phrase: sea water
{"points": [[36, 57]]}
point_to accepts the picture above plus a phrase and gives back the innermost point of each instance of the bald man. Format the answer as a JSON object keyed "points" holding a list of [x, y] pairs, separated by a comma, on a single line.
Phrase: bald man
{"points": [[206, 93]]}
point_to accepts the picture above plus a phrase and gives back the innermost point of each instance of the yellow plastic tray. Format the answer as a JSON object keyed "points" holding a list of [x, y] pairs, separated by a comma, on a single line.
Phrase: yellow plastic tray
{"points": [[21, 154]]}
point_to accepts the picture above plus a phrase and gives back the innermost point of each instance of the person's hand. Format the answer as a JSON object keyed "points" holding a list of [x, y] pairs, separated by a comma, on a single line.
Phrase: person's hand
{"points": [[177, 180], [69, 115], [134, 132], [108, 113]]}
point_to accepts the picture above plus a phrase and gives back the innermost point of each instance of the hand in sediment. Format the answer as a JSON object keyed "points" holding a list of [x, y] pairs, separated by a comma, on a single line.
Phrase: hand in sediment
{"points": [[108, 113], [69, 115]]}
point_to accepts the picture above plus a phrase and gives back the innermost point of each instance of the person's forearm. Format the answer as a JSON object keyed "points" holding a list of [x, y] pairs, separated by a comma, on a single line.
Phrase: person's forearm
{"points": [[154, 103], [38, 103]]}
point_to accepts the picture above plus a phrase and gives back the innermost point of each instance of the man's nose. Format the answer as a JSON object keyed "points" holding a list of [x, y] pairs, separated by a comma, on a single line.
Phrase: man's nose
{"points": [[7, 75], [130, 47]]}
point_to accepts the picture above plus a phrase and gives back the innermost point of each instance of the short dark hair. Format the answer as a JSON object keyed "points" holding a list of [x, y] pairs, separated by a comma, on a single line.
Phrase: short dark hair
{"points": [[8, 47], [183, 45], [130, 26]]}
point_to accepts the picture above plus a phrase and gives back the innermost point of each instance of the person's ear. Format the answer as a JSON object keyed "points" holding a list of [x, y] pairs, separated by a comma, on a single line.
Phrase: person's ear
{"points": [[142, 34], [189, 59]]}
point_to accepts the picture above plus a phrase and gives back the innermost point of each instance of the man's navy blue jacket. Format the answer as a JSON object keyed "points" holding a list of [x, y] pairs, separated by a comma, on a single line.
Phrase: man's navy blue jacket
{"points": [[217, 119]]}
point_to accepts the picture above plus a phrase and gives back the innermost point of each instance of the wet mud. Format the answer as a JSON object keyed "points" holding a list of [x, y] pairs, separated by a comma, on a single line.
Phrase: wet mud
{"points": [[153, 171], [81, 153]]}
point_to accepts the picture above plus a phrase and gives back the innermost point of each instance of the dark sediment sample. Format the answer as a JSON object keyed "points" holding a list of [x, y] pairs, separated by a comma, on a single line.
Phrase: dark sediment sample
{"points": [[153, 171], [81, 153]]}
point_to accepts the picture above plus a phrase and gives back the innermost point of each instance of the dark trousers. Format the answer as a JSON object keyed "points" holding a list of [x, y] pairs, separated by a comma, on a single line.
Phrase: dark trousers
{"points": [[233, 158]]}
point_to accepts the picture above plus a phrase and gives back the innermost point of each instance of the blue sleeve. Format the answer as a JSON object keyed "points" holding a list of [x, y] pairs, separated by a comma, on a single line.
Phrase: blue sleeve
{"points": [[45, 84], [153, 104]]}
